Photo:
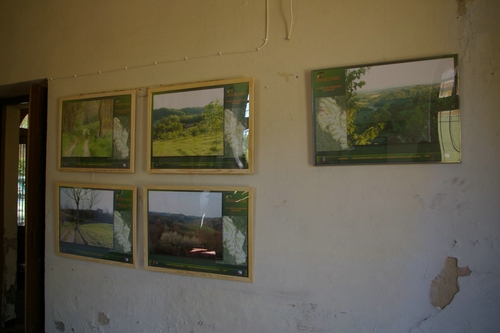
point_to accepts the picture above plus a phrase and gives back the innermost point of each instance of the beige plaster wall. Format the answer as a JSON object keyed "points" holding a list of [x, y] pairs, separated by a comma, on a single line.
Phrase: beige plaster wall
{"points": [[337, 249]]}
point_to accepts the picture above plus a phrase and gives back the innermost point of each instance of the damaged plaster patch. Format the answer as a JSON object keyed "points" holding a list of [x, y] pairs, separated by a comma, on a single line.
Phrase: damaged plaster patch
{"points": [[445, 285], [103, 319], [462, 10], [9, 302], [60, 326], [312, 318], [9, 278], [287, 76]]}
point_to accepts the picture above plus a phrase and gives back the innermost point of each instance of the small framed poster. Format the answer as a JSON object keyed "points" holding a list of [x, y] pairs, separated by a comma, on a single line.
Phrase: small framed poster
{"points": [[201, 128], [200, 231], [96, 132], [96, 223], [400, 112]]}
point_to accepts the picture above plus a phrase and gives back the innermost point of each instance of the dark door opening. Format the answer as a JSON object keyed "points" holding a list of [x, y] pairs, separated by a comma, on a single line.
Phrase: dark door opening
{"points": [[22, 288]]}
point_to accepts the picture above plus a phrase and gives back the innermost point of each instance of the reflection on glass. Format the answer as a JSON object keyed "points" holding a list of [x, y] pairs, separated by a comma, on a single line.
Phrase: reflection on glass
{"points": [[449, 135]]}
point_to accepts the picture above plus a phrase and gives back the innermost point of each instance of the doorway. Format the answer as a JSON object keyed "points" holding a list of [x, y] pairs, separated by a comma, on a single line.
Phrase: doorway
{"points": [[22, 198]]}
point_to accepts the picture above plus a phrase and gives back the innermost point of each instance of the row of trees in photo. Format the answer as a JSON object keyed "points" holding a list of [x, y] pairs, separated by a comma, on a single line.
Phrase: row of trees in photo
{"points": [[171, 124], [398, 115], [179, 235]]}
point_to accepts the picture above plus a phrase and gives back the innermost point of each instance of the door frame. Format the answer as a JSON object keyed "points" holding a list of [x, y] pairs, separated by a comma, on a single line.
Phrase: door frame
{"points": [[34, 284], [4, 104]]}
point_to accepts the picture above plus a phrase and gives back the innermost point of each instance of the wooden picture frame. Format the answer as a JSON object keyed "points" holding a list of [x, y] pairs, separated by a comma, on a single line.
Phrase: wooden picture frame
{"points": [[397, 112], [199, 231], [201, 128], [97, 132], [96, 223]]}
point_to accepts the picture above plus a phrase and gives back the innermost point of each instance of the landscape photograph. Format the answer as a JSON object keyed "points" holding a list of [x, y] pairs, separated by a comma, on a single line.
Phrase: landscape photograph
{"points": [[188, 123], [387, 104], [86, 217], [185, 224], [87, 128]]}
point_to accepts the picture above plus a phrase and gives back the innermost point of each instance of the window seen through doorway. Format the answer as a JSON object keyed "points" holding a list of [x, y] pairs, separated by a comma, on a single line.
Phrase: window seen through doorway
{"points": [[21, 178]]}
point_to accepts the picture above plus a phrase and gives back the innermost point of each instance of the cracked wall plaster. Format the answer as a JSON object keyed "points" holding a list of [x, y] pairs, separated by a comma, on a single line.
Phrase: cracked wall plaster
{"points": [[445, 286]]}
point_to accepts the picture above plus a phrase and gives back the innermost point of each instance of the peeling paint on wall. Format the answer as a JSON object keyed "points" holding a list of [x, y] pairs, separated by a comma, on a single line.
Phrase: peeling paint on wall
{"points": [[462, 9], [445, 286], [9, 279], [103, 319], [60, 326]]}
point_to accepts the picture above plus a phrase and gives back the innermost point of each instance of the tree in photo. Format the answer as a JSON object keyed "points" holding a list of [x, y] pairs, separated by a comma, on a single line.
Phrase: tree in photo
{"points": [[214, 117], [69, 116], [353, 83], [92, 199], [105, 115], [77, 195]]}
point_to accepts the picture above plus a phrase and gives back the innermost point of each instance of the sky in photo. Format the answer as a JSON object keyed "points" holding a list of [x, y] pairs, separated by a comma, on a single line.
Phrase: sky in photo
{"points": [[103, 199], [406, 74], [183, 99], [194, 203]]}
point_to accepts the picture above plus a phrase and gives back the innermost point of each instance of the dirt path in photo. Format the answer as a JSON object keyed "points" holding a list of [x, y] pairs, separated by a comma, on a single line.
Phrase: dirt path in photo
{"points": [[80, 239], [69, 152], [86, 151], [69, 236]]}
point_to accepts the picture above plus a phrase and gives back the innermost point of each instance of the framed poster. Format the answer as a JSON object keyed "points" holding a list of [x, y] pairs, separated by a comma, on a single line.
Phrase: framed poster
{"points": [[201, 128], [96, 132], [96, 223], [201, 231], [401, 112]]}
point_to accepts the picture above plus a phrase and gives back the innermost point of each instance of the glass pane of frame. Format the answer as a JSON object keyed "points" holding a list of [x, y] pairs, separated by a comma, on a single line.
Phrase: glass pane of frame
{"points": [[96, 132], [96, 223], [401, 112], [201, 128], [200, 231]]}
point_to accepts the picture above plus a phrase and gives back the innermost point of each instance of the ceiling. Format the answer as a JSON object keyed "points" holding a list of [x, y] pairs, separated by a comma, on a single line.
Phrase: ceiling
{"points": [[19, 89]]}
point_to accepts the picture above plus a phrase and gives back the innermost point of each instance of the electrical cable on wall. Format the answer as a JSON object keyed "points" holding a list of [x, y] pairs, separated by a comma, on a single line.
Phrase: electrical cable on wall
{"points": [[176, 60], [291, 21]]}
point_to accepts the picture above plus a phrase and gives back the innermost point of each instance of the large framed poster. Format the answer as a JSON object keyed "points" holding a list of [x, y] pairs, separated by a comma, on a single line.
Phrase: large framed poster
{"points": [[400, 112], [96, 132], [200, 231], [96, 223], [201, 128]]}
